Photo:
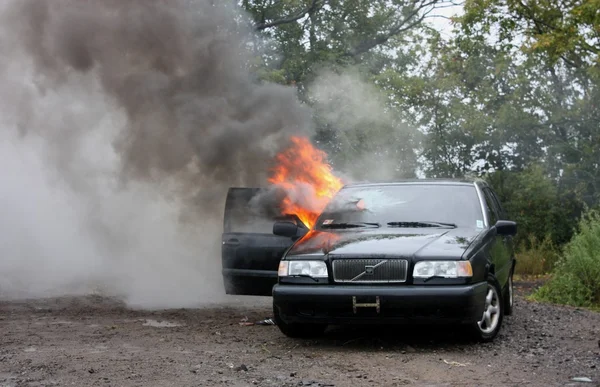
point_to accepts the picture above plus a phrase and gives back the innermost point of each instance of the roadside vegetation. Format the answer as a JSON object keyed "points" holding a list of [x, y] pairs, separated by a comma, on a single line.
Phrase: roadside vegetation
{"points": [[507, 92], [576, 276]]}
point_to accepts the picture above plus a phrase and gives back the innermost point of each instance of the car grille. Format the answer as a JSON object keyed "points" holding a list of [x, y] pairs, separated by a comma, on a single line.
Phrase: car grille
{"points": [[380, 270]]}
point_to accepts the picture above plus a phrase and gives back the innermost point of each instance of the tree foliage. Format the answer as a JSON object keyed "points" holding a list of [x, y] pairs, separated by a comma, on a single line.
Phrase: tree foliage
{"points": [[309, 34], [533, 200], [344, 45], [566, 31], [556, 46]]}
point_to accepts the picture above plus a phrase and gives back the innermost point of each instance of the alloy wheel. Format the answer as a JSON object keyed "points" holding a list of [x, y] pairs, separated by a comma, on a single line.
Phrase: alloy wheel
{"points": [[491, 313]]}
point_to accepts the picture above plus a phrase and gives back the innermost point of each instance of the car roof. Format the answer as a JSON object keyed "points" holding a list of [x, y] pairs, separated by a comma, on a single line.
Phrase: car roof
{"points": [[428, 181]]}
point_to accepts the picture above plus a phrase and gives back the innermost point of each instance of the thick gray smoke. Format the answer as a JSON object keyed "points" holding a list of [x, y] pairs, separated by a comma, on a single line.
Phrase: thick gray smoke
{"points": [[117, 117]]}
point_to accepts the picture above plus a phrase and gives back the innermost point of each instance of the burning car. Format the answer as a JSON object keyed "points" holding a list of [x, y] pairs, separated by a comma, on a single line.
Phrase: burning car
{"points": [[409, 251]]}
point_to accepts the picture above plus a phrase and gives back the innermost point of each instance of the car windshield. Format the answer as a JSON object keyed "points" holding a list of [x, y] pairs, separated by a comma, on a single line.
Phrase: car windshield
{"points": [[404, 205]]}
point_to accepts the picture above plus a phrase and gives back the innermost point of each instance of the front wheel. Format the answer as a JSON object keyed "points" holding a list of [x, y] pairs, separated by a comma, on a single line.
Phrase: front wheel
{"points": [[490, 323], [303, 331]]}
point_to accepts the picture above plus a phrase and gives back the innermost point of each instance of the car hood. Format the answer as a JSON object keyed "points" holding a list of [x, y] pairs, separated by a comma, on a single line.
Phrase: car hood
{"points": [[435, 243]]}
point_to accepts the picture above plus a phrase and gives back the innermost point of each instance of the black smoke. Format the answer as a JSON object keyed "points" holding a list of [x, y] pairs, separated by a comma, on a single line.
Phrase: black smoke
{"points": [[179, 72]]}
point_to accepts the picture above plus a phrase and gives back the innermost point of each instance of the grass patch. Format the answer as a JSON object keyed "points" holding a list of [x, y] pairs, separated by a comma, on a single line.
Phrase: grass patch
{"points": [[576, 277], [536, 258]]}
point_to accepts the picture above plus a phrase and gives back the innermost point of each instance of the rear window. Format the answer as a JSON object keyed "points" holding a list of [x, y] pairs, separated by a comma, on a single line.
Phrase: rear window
{"points": [[458, 204]]}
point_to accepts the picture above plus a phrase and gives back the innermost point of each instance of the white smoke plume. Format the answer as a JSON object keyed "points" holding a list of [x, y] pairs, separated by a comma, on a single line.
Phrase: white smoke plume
{"points": [[373, 138], [122, 123]]}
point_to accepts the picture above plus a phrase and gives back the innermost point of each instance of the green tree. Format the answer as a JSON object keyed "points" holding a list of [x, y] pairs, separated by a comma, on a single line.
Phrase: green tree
{"points": [[317, 43], [532, 199], [471, 100], [566, 31], [311, 34], [559, 43]]}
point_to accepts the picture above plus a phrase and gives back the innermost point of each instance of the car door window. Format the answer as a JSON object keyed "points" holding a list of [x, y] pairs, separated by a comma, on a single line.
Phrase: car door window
{"points": [[502, 214], [491, 207]]}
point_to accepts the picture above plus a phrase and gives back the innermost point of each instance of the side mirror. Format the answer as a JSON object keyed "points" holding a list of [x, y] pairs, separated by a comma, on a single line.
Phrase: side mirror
{"points": [[506, 227], [286, 229]]}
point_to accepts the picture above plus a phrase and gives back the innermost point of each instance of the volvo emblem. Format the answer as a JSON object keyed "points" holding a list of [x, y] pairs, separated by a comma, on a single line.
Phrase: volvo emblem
{"points": [[369, 270]]}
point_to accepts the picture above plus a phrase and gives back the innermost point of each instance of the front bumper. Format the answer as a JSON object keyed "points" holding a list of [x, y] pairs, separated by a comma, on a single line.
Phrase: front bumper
{"points": [[334, 304]]}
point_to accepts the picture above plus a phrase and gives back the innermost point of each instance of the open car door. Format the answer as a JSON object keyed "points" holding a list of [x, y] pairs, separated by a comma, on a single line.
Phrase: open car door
{"points": [[250, 251]]}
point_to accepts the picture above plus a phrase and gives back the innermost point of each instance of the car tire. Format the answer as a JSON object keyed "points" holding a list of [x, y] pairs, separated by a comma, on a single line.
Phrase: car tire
{"points": [[489, 325], [509, 296], [300, 331]]}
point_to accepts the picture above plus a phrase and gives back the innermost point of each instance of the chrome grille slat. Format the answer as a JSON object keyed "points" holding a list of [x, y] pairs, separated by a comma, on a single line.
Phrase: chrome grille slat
{"points": [[387, 270]]}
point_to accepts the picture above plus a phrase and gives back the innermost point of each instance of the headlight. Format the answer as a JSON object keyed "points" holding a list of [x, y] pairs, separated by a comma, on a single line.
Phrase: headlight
{"points": [[446, 269], [316, 269]]}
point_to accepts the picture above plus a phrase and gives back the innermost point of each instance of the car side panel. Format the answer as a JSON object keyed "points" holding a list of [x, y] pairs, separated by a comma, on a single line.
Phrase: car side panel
{"points": [[250, 262], [480, 256]]}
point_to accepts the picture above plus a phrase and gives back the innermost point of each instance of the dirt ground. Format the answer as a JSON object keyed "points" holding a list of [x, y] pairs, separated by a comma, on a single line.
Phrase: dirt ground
{"points": [[92, 341]]}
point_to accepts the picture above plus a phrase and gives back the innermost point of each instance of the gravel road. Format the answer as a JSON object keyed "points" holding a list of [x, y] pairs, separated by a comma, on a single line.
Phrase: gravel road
{"points": [[92, 341]]}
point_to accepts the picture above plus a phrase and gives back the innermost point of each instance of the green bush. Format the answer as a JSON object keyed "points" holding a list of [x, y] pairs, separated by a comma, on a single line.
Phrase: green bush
{"points": [[565, 289], [535, 257], [576, 277]]}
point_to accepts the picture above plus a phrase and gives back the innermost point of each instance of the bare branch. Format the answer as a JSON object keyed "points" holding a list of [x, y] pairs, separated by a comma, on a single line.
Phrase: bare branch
{"points": [[438, 16], [569, 62], [450, 5], [314, 5]]}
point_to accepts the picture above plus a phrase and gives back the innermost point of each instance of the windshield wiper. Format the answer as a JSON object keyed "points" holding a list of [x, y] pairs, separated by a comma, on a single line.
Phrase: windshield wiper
{"points": [[350, 225], [422, 224]]}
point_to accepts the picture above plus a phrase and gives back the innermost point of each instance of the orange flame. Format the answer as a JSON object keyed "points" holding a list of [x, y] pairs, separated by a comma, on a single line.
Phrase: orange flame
{"points": [[304, 174]]}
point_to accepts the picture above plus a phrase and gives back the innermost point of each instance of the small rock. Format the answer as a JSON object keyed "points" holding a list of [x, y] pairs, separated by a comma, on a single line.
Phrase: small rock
{"points": [[242, 367], [91, 370], [292, 374], [582, 379]]}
